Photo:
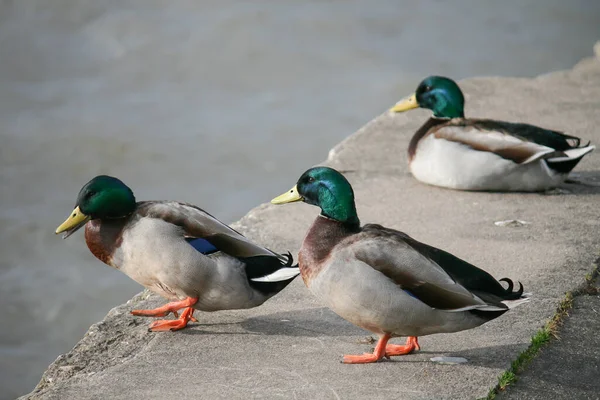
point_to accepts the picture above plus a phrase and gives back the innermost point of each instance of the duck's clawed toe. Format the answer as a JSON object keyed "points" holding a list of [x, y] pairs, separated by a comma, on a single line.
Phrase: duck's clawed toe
{"points": [[157, 312], [366, 358], [181, 322], [362, 359], [411, 345], [384, 350], [175, 324], [163, 325]]}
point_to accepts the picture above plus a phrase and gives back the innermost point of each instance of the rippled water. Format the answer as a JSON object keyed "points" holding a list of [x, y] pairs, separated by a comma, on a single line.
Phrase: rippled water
{"points": [[217, 103]]}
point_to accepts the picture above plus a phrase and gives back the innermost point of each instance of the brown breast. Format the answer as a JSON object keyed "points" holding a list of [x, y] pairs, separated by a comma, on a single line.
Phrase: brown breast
{"points": [[104, 237], [423, 131], [322, 237]]}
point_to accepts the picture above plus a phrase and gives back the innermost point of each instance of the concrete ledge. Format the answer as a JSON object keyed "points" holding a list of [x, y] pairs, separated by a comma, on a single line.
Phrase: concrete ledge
{"points": [[567, 367], [292, 346]]}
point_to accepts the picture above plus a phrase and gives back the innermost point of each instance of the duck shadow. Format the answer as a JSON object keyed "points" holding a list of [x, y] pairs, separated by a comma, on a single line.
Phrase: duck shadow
{"points": [[318, 322], [197, 329], [495, 357], [582, 182], [578, 183], [312, 322]]}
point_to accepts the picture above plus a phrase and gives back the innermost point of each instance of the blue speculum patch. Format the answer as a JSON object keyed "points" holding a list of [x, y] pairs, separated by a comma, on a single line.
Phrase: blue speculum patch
{"points": [[202, 245]]}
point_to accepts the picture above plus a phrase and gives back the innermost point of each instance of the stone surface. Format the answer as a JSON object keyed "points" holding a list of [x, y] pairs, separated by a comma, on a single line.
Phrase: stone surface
{"points": [[569, 368], [291, 347]]}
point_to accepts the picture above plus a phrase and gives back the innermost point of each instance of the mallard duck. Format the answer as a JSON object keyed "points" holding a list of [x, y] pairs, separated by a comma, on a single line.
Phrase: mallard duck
{"points": [[176, 250], [452, 151], [385, 281]]}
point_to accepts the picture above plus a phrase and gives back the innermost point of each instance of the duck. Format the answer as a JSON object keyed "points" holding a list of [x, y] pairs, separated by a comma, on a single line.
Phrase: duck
{"points": [[383, 280], [176, 250], [472, 154]]}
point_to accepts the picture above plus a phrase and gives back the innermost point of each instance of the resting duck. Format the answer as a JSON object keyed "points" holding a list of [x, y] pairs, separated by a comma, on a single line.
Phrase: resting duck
{"points": [[385, 281], [176, 250], [452, 151]]}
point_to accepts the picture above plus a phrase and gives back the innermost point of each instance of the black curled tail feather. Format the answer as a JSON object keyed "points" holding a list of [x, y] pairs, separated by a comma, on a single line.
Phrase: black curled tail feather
{"points": [[509, 294], [289, 260], [510, 284]]}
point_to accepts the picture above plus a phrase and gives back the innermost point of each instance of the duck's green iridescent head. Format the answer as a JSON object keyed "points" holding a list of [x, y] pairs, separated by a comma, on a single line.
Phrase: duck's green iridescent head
{"points": [[327, 189], [440, 95], [103, 197]]}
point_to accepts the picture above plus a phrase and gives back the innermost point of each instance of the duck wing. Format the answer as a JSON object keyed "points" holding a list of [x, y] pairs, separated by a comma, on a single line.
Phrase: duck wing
{"points": [[469, 276], [207, 234], [436, 278], [520, 143]]}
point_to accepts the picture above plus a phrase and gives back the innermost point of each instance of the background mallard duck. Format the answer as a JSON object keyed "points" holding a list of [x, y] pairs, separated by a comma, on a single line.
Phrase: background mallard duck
{"points": [[452, 151]]}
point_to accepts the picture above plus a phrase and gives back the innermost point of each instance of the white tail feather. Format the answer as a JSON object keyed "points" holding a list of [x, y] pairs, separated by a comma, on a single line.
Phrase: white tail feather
{"points": [[539, 154], [477, 307], [572, 154], [279, 275], [489, 307], [515, 303]]}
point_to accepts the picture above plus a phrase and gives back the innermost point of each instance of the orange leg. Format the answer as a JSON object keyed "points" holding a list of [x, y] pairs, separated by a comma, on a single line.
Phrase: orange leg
{"points": [[173, 324], [163, 311], [368, 357], [412, 344]]}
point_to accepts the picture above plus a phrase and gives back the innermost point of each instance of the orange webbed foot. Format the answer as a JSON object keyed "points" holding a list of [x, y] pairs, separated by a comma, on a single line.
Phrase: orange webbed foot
{"points": [[411, 345], [163, 311], [368, 357], [175, 324]]}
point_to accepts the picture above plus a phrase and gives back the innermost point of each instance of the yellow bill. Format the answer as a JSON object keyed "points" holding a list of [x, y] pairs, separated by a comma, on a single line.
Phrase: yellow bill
{"points": [[76, 219], [288, 197], [406, 104]]}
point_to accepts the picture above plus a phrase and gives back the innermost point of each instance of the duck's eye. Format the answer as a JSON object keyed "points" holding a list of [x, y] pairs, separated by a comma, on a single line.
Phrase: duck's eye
{"points": [[311, 179], [427, 88], [88, 195]]}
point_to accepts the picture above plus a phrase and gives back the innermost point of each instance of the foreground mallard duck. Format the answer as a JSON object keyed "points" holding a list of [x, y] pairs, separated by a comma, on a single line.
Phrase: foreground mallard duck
{"points": [[452, 151], [176, 250], [383, 280]]}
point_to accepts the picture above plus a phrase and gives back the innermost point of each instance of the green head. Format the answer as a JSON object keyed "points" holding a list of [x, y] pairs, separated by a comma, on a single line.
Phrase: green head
{"points": [[327, 189], [438, 94], [104, 197]]}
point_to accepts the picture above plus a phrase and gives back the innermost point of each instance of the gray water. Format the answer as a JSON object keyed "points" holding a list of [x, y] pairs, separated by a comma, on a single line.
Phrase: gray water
{"points": [[217, 103]]}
